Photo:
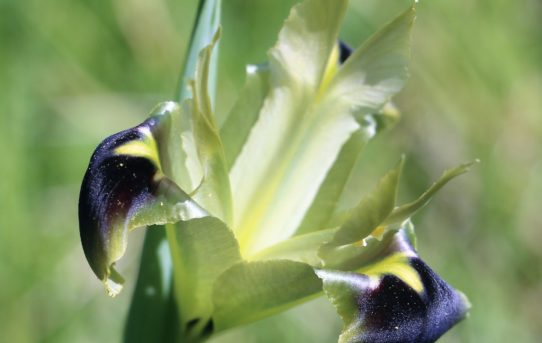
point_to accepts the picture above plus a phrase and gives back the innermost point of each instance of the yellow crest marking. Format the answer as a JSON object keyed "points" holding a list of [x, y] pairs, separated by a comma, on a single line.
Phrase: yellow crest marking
{"points": [[145, 148], [331, 69], [396, 264]]}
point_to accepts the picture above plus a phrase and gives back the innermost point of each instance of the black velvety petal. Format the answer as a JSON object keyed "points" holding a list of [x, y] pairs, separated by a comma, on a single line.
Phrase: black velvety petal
{"points": [[394, 312], [111, 185], [344, 51], [124, 188], [399, 300]]}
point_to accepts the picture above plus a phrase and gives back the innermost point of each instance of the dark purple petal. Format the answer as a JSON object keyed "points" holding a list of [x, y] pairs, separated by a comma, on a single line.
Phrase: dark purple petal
{"points": [[400, 301], [124, 188]]}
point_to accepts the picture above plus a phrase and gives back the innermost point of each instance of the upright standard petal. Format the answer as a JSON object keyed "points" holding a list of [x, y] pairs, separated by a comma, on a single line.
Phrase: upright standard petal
{"points": [[298, 132], [312, 109], [124, 188]]}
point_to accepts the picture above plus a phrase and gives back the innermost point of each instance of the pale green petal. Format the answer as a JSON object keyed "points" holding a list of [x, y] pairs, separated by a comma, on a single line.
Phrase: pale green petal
{"points": [[305, 44], [355, 255], [306, 119], [202, 249], [207, 23], [177, 145], [324, 204], [302, 248], [235, 130], [214, 192], [298, 134], [368, 226], [320, 214], [249, 291], [378, 69]]}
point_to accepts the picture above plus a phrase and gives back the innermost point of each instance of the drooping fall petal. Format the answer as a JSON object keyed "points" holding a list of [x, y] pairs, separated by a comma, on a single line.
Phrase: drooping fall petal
{"points": [[124, 188], [396, 299]]}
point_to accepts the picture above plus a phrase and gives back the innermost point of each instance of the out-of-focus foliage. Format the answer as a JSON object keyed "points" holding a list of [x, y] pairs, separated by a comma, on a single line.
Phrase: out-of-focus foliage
{"points": [[73, 72]]}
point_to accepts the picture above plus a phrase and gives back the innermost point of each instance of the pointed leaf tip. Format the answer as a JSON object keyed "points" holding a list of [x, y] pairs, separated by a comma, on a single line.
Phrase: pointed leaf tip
{"points": [[405, 211], [371, 211]]}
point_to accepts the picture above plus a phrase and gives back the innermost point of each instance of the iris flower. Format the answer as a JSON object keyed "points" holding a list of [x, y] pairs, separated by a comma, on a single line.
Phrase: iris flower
{"points": [[251, 208]]}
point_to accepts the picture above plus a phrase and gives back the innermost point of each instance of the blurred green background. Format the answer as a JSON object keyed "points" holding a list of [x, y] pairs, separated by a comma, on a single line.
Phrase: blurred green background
{"points": [[73, 72]]}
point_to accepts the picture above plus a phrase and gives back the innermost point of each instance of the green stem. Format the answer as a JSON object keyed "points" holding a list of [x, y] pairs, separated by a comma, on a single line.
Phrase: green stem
{"points": [[163, 323], [205, 25]]}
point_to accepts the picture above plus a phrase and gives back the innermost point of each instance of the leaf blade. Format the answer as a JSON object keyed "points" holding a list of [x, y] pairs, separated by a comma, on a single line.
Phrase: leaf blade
{"points": [[320, 215], [372, 210], [153, 294]]}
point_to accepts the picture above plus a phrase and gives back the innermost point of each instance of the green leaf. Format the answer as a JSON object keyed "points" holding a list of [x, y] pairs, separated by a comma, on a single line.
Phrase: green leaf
{"points": [[153, 311], [249, 291], [202, 249], [396, 299], [205, 27]]}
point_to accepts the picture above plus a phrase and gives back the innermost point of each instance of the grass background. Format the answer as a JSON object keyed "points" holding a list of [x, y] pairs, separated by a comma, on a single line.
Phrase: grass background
{"points": [[73, 72]]}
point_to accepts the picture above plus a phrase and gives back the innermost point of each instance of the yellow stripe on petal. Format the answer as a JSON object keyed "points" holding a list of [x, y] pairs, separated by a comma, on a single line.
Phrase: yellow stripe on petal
{"points": [[145, 148], [330, 71], [379, 232], [397, 265]]}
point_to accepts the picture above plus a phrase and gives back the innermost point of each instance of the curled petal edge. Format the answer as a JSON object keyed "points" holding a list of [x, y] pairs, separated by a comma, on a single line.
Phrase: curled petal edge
{"points": [[398, 299], [125, 188]]}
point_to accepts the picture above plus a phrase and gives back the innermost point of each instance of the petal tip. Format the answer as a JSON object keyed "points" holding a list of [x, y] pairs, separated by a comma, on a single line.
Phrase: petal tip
{"points": [[113, 282]]}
